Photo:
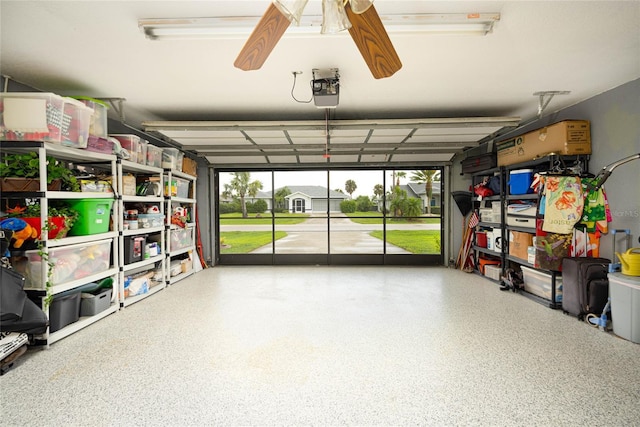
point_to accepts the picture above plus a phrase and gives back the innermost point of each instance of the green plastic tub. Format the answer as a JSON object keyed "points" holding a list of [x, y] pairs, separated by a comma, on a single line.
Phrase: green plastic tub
{"points": [[93, 216]]}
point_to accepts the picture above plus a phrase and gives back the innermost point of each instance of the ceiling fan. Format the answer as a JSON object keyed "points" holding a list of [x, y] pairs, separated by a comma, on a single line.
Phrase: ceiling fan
{"points": [[358, 16]]}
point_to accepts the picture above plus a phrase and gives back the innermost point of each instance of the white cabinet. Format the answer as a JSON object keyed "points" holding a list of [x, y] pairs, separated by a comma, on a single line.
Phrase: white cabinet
{"points": [[65, 266], [181, 237], [142, 235]]}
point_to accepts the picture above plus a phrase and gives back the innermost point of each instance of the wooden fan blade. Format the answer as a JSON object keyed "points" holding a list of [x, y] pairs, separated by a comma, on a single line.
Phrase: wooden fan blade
{"points": [[262, 40], [374, 44]]}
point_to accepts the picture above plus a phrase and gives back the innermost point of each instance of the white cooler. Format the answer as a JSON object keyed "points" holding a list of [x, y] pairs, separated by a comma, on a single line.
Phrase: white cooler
{"points": [[625, 305]]}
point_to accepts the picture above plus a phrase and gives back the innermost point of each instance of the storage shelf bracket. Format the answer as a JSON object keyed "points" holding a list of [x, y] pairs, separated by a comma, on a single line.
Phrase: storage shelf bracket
{"points": [[545, 97], [117, 105]]}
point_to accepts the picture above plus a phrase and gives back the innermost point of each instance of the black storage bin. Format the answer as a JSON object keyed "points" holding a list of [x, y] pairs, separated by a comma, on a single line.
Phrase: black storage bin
{"points": [[134, 248], [63, 311], [479, 163]]}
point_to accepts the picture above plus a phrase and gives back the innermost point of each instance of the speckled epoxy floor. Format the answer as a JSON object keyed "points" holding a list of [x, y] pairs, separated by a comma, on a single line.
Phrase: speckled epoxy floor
{"points": [[329, 346]]}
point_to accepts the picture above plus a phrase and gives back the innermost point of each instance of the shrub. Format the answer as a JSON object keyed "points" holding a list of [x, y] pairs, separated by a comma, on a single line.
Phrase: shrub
{"points": [[348, 206], [259, 206], [363, 204], [232, 207]]}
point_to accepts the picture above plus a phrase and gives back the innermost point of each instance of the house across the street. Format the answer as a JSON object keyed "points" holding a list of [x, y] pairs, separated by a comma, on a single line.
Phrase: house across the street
{"points": [[306, 199]]}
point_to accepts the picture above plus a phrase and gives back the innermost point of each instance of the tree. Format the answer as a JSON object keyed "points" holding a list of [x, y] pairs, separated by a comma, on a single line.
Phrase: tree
{"points": [[240, 187], [426, 177], [398, 198], [363, 203], [280, 201], [350, 186], [398, 176], [378, 191], [412, 208]]}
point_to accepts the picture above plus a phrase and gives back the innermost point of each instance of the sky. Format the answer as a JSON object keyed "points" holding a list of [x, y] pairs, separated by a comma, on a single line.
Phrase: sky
{"points": [[365, 180]]}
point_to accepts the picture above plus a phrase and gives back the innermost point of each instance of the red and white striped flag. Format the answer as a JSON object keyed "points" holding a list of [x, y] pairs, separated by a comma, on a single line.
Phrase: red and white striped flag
{"points": [[474, 220]]}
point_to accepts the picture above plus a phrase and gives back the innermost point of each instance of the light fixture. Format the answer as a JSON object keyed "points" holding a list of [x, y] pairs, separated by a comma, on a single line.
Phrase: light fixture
{"points": [[292, 9], [360, 6], [334, 18], [241, 26]]}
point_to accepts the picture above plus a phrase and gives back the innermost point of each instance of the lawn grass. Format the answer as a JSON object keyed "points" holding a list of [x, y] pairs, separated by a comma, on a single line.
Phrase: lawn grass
{"points": [[242, 242], [414, 241], [376, 218], [264, 218]]}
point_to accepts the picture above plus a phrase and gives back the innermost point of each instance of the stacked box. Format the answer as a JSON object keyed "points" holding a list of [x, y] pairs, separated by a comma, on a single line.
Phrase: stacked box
{"points": [[131, 143], [71, 262], [93, 216], [154, 156], [31, 116], [98, 123], [569, 137], [92, 304], [519, 243], [539, 283]]}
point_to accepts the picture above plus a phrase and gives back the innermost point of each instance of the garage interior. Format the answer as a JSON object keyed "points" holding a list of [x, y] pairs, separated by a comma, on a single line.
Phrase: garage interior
{"points": [[338, 345]]}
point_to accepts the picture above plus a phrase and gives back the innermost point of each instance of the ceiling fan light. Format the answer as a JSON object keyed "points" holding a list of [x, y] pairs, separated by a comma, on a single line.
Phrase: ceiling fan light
{"points": [[360, 6], [292, 9], [334, 18]]}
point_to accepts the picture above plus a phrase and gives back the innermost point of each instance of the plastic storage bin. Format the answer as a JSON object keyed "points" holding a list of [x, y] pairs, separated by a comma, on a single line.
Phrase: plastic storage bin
{"points": [[520, 181], [539, 283], [154, 156], [170, 158], [98, 123], [72, 262], [64, 310], [131, 143], [134, 248], [183, 188], [93, 216], [30, 116], [150, 220], [100, 145], [75, 124], [625, 305], [180, 239], [92, 304], [142, 153]]}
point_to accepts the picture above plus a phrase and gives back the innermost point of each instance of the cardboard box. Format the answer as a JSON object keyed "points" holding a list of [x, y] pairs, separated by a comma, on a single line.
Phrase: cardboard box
{"points": [[569, 137], [519, 243], [492, 271], [189, 166]]}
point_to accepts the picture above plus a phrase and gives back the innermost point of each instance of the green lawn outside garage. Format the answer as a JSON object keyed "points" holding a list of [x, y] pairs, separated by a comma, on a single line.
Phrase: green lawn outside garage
{"points": [[376, 218], [414, 241], [264, 218], [242, 242]]}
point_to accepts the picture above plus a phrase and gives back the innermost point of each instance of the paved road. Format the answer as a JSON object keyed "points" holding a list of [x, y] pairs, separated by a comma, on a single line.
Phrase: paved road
{"points": [[346, 236]]}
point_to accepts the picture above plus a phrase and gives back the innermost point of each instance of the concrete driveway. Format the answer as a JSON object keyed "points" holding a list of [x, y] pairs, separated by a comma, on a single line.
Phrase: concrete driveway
{"points": [[346, 236]]}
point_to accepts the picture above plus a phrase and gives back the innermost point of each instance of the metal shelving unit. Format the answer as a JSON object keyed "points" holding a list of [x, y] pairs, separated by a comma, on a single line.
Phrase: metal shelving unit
{"points": [[38, 287], [181, 252], [157, 262]]}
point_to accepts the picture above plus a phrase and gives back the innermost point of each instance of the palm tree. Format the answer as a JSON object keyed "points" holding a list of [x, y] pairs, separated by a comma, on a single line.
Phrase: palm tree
{"points": [[280, 197], [378, 191], [398, 176], [426, 177], [350, 186], [240, 187]]}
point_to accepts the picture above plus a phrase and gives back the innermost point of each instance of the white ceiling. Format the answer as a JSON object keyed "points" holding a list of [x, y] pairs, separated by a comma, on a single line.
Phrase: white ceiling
{"points": [[94, 48]]}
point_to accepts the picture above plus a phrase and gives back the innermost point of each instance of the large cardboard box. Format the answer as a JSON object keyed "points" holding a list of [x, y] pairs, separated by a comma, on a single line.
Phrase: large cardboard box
{"points": [[569, 137], [519, 242]]}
